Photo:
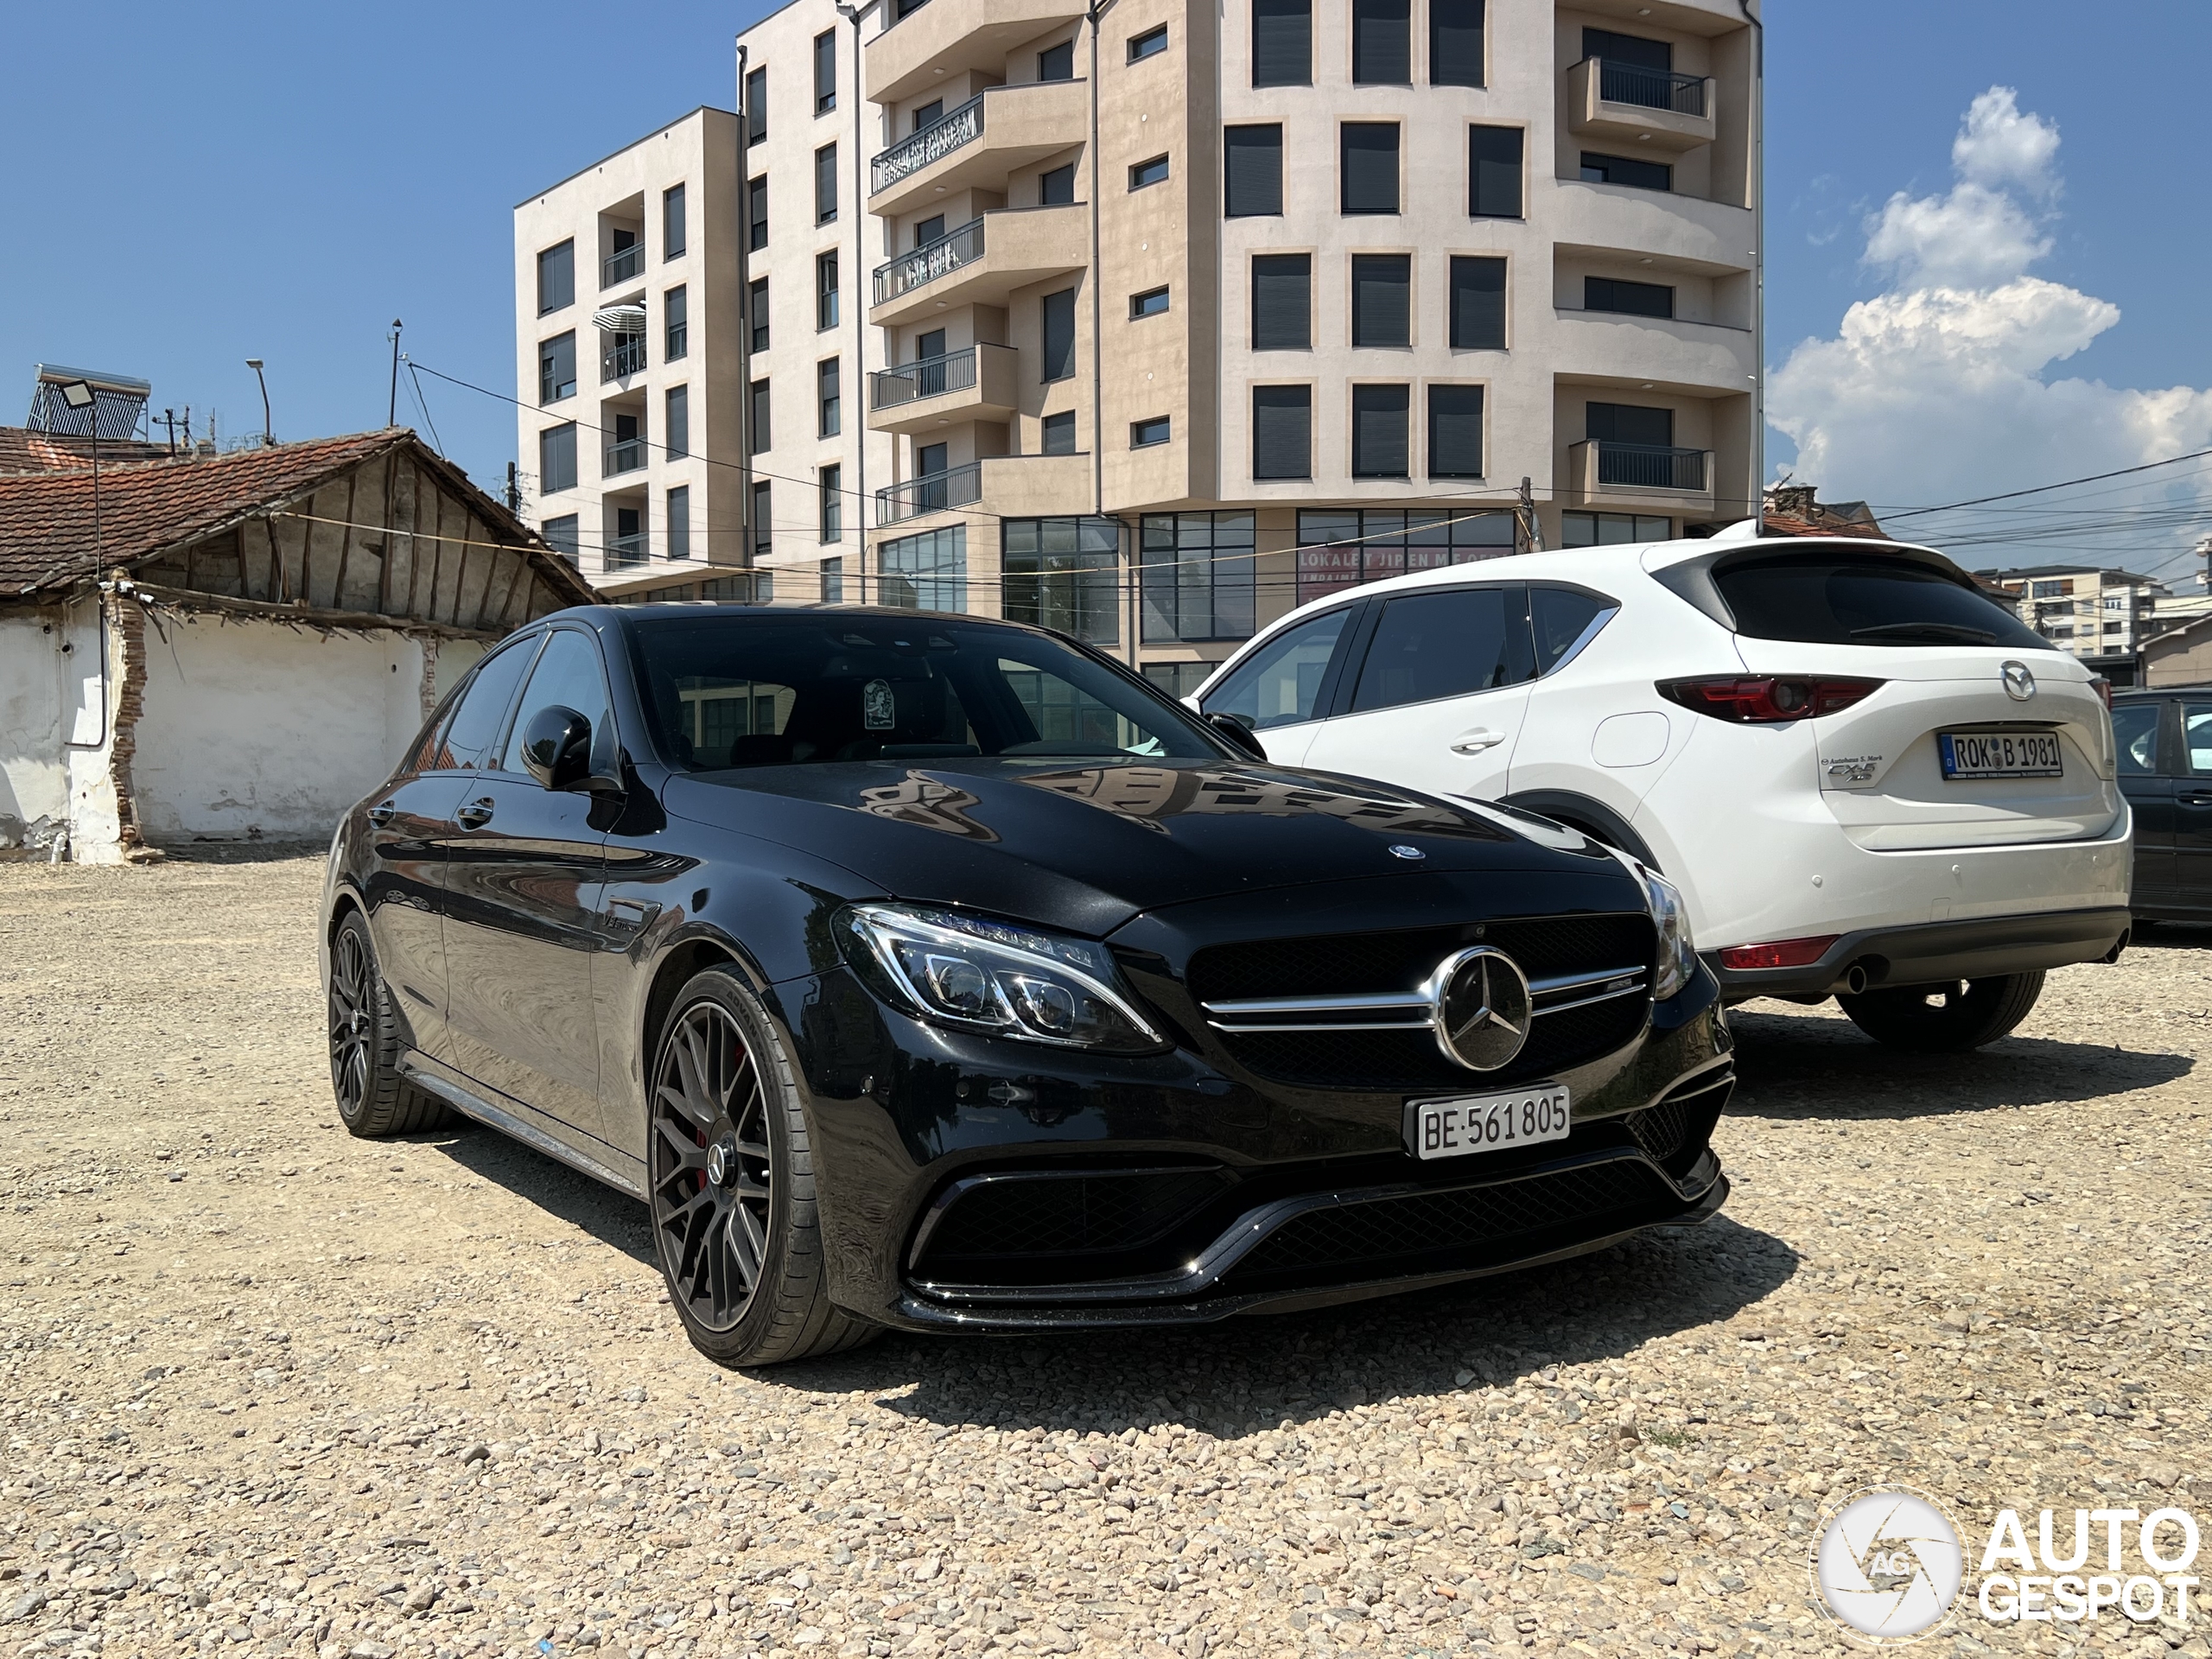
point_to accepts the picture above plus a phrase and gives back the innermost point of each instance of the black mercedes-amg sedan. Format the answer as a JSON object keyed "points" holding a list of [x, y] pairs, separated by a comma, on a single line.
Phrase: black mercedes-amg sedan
{"points": [[924, 971]]}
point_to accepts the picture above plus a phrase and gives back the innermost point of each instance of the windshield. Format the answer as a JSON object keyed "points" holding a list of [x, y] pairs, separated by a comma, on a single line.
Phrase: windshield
{"points": [[1841, 600], [752, 690]]}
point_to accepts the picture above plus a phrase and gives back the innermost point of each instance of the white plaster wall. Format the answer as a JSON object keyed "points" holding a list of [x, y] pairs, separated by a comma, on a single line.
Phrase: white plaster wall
{"points": [[50, 695]]}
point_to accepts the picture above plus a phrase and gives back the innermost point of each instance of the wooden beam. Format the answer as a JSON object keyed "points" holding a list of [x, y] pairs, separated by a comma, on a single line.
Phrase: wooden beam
{"points": [[390, 542], [346, 547], [278, 582], [315, 616]]}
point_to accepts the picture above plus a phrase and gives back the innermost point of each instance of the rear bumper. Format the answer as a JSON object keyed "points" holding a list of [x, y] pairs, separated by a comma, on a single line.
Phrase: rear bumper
{"points": [[1934, 951]]}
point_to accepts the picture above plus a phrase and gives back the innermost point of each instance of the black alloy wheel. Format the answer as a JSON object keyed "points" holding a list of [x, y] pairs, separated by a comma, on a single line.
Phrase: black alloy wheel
{"points": [[1947, 1017], [367, 1042]]}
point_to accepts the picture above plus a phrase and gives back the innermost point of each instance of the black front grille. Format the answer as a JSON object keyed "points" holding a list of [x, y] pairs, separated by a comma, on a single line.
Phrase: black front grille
{"points": [[1462, 1227], [1357, 964], [995, 1226], [1674, 1132]]}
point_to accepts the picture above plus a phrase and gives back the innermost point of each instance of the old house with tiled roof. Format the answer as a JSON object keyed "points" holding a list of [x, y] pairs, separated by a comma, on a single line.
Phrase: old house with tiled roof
{"points": [[236, 647]]}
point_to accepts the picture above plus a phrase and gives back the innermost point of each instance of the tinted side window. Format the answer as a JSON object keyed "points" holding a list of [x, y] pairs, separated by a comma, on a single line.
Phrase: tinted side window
{"points": [[567, 676], [1559, 616], [1827, 600], [2196, 736], [1446, 645], [475, 724], [2135, 736], [1279, 683]]}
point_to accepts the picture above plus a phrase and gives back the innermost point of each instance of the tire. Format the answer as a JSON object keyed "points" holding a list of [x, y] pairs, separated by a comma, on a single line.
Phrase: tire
{"points": [[1946, 1019], [731, 1185], [373, 1099]]}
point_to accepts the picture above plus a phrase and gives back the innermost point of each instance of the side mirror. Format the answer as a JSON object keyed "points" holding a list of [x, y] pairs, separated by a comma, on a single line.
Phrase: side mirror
{"points": [[556, 747], [1239, 735]]}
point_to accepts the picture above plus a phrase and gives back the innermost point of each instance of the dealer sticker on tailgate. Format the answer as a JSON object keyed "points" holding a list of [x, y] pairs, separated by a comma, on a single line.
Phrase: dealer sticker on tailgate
{"points": [[2000, 755]]}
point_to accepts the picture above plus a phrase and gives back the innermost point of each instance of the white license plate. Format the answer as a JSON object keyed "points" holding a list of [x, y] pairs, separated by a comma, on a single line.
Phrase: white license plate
{"points": [[1454, 1127], [2000, 755]]}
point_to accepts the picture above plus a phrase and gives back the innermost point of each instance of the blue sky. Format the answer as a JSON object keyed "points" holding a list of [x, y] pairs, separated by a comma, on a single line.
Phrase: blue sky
{"points": [[194, 186]]}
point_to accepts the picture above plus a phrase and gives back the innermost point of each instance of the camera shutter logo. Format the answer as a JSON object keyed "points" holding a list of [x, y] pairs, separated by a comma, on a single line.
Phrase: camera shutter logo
{"points": [[1889, 1565]]}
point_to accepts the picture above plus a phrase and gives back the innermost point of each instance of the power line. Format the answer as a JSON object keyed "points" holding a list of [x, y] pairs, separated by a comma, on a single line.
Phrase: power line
{"points": [[2013, 495]]}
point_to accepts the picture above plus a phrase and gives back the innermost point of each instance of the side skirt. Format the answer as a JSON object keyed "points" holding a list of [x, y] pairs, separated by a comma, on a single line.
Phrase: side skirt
{"points": [[509, 1122]]}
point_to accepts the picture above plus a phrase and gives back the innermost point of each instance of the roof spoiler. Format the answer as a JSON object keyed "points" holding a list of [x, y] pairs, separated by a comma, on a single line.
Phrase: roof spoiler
{"points": [[1686, 568]]}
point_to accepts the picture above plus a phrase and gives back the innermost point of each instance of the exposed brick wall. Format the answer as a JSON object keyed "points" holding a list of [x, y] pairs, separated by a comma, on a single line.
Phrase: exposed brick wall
{"points": [[127, 620]]}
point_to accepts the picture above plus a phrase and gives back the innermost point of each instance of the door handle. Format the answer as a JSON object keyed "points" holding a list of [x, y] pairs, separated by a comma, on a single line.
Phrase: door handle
{"points": [[382, 814], [476, 814], [2194, 799], [1476, 741]]}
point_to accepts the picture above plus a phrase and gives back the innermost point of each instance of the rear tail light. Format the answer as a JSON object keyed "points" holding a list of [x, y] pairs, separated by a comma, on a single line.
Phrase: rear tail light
{"points": [[2104, 690], [1778, 953], [1750, 699]]}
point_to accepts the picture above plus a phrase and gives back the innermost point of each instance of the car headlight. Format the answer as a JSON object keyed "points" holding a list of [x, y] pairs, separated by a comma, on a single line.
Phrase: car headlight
{"points": [[1677, 951], [1002, 977]]}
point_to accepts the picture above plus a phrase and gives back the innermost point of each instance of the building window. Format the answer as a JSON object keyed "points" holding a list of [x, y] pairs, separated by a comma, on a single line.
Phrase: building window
{"points": [[1058, 324], [557, 458], [1196, 578], [1282, 432], [1058, 431], [1608, 528], [831, 486], [756, 105], [1153, 302], [1494, 171], [1146, 433], [1380, 417], [1477, 305], [676, 325], [1382, 43], [760, 425], [1056, 187], [1150, 44], [1455, 42], [672, 238], [1148, 172], [1455, 431], [1282, 43], [928, 115], [1252, 184], [1640, 425], [757, 305], [930, 230], [561, 535], [757, 195], [1341, 548], [1064, 574], [829, 393], [1382, 299], [928, 572], [1179, 680], [557, 368], [679, 522], [1623, 169], [1282, 302], [825, 184], [1056, 62], [764, 522], [679, 422], [556, 277], [833, 580], [825, 72], [1630, 299], [1369, 167], [825, 290]]}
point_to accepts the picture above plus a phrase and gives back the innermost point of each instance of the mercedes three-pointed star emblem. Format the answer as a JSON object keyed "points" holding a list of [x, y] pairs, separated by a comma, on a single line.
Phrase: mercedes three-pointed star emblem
{"points": [[1481, 1007]]}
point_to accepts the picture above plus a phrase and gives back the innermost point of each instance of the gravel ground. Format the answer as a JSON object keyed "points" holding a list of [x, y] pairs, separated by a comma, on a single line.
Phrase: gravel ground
{"points": [[268, 1388]]}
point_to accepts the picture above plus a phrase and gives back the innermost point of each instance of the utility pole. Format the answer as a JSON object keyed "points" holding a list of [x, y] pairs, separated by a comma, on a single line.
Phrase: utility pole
{"points": [[169, 419], [391, 411], [514, 491], [1524, 515]]}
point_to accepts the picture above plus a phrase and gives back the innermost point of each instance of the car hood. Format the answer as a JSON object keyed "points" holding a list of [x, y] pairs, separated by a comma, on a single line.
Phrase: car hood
{"points": [[1086, 844]]}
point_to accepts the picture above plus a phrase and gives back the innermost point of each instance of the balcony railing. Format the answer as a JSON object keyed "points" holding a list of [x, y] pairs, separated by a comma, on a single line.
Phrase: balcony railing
{"points": [[1651, 467], [623, 551], [622, 265], [956, 486], [1650, 89], [929, 377], [927, 145], [624, 456], [929, 262], [624, 355]]}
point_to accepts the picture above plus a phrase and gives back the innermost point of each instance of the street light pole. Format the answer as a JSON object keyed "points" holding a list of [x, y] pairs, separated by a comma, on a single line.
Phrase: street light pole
{"points": [[79, 396], [268, 438]]}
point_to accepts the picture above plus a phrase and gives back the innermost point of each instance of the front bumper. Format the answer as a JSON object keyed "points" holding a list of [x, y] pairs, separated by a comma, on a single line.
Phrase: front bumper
{"points": [[1933, 952]]}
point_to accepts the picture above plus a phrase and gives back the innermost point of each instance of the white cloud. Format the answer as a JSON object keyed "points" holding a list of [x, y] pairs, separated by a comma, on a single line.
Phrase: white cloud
{"points": [[1937, 389]]}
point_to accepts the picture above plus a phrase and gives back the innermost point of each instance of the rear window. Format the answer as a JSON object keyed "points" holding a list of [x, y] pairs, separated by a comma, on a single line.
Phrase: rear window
{"points": [[1831, 599]]}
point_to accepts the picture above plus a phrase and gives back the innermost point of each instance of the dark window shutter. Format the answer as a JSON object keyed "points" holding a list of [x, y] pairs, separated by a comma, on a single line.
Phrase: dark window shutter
{"points": [[1056, 62], [1252, 160], [1379, 421], [1057, 188], [1630, 299], [1630, 423], [1059, 334], [756, 106], [1381, 42], [1282, 302], [556, 277], [1455, 431], [1282, 432], [825, 184], [1455, 42], [1494, 171], [1632, 49], [1282, 43], [1477, 305], [557, 458], [1369, 166], [825, 72], [762, 438], [1382, 299]]}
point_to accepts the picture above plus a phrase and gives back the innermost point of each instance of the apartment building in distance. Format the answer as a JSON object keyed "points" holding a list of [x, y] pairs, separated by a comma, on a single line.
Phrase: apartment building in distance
{"points": [[2101, 615], [1151, 324]]}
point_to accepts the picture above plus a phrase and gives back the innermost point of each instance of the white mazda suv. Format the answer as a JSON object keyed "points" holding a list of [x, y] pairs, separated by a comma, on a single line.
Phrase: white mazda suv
{"points": [[1867, 780]]}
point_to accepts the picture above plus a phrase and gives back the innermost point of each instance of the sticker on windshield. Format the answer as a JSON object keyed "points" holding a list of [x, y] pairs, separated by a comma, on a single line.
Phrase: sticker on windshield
{"points": [[879, 710]]}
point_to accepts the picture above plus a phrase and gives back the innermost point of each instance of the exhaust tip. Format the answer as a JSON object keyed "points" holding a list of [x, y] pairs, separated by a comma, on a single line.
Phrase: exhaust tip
{"points": [[1854, 980]]}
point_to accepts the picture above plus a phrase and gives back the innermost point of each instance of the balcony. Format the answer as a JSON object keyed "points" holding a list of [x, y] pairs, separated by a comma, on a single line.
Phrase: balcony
{"points": [[1017, 487], [623, 551], [945, 37], [622, 265], [979, 144], [624, 456], [1597, 468], [621, 356], [982, 261], [1640, 111], [956, 486], [974, 384]]}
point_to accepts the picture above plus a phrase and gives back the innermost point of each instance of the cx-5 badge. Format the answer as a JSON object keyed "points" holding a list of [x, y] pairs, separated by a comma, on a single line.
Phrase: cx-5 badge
{"points": [[1483, 1006]]}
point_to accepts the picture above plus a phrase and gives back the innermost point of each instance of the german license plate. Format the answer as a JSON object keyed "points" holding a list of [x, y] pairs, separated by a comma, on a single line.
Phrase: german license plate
{"points": [[2000, 755], [1467, 1123]]}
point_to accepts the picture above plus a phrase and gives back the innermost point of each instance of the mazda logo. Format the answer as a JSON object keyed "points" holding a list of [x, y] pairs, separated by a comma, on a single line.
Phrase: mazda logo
{"points": [[1480, 1007], [2020, 684]]}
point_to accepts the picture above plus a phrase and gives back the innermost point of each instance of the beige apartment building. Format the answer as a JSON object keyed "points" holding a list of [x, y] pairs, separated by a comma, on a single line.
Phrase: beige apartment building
{"points": [[1160, 324]]}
